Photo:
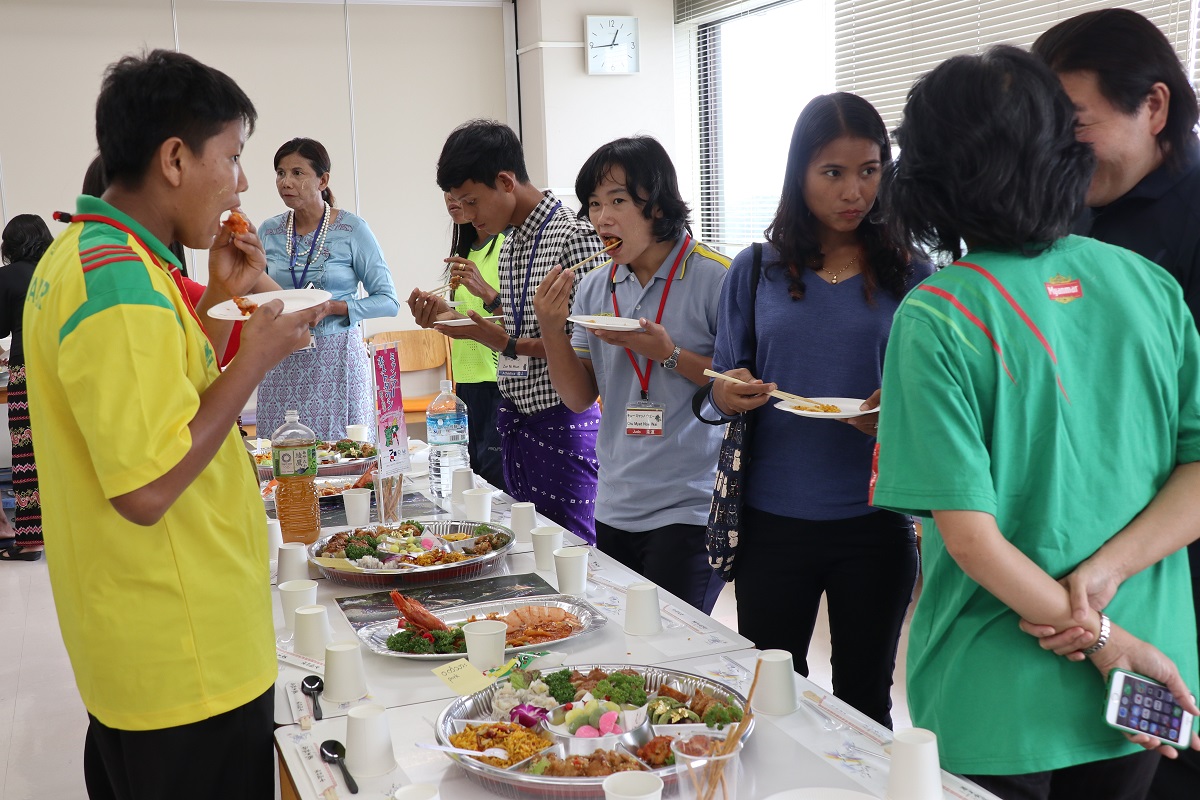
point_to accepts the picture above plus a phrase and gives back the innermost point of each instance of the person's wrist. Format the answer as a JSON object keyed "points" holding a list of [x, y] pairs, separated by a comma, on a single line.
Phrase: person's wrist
{"points": [[490, 306], [1102, 637], [510, 347]]}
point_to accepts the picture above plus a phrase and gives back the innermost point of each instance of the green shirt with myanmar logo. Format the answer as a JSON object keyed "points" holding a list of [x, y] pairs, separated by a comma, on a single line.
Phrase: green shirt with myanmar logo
{"points": [[1056, 393]]}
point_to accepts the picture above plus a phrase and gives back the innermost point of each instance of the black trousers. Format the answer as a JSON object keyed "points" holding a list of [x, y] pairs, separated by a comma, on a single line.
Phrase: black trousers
{"points": [[865, 566], [484, 447], [673, 556], [229, 756], [1124, 778]]}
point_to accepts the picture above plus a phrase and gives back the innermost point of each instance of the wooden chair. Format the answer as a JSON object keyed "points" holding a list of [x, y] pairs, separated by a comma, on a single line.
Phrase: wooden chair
{"points": [[420, 349]]}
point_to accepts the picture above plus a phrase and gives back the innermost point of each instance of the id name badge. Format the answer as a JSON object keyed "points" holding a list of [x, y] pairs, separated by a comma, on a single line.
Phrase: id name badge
{"points": [[514, 367], [312, 344], [644, 419]]}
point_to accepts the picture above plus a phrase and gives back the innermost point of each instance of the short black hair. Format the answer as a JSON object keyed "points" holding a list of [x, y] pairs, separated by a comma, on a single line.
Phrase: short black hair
{"points": [[25, 238], [478, 151], [987, 156], [793, 231], [95, 181], [1129, 55], [146, 100], [649, 177], [311, 151]]}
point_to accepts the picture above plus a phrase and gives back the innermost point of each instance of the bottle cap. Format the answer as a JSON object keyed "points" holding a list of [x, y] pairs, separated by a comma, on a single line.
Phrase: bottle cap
{"points": [[447, 387]]}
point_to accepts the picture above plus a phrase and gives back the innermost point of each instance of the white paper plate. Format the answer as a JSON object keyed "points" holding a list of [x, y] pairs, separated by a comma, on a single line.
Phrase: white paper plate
{"points": [[817, 793], [848, 405], [454, 323], [293, 300], [617, 324]]}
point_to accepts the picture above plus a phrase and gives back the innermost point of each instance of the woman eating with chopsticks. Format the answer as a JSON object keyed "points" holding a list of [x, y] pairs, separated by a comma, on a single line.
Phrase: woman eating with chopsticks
{"points": [[817, 322]]}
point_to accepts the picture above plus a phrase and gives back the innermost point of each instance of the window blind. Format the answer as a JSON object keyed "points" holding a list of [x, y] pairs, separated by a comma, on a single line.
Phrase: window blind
{"points": [[883, 46]]}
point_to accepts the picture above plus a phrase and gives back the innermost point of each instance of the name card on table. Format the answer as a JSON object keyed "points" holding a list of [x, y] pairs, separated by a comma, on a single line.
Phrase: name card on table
{"points": [[303, 662], [298, 704], [462, 678]]}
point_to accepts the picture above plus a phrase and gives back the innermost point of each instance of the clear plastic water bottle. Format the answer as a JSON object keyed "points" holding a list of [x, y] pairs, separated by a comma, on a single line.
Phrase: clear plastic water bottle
{"points": [[294, 464], [446, 431]]}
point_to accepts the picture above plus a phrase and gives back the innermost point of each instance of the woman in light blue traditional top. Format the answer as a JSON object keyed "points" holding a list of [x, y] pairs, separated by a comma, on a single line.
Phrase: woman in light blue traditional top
{"points": [[316, 245]]}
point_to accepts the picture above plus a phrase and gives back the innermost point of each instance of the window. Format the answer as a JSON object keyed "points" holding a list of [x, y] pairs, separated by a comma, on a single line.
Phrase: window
{"points": [[755, 72]]}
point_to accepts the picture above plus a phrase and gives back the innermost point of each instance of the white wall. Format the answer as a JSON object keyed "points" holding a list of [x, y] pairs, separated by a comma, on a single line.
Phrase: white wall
{"points": [[566, 113], [418, 71]]}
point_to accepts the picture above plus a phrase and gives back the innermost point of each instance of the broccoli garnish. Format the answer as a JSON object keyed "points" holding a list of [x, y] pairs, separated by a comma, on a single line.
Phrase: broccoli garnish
{"points": [[718, 716], [409, 642], [355, 550], [621, 688], [451, 641], [481, 530], [561, 688]]}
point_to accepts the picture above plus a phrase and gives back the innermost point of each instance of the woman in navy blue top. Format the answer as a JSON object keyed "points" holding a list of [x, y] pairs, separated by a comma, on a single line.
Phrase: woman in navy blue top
{"points": [[831, 280]]}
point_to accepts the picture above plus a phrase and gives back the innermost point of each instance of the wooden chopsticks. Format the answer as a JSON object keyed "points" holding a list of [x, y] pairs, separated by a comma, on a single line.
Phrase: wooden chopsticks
{"points": [[781, 395], [594, 255]]}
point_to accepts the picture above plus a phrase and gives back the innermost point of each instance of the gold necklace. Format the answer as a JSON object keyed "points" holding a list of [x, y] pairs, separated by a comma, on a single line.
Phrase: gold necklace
{"points": [[833, 276]]}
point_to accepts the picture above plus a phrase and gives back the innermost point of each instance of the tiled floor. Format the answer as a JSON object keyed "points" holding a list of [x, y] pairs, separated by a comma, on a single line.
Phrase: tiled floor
{"points": [[42, 720]]}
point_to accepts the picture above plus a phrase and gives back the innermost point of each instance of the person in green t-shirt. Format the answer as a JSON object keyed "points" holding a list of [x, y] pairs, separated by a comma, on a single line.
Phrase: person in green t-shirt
{"points": [[474, 268], [1043, 409]]}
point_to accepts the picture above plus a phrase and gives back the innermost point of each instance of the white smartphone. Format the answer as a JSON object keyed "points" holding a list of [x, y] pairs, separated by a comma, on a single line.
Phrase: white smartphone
{"points": [[1137, 704]]}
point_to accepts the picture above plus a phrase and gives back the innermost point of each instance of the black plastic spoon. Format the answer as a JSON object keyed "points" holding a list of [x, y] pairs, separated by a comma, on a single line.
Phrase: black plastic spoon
{"points": [[312, 685], [334, 752]]}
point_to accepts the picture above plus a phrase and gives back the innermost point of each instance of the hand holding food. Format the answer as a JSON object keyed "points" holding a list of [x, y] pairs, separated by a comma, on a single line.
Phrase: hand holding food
{"points": [[464, 272], [735, 398], [653, 342], [425, 307], [867, 423]]}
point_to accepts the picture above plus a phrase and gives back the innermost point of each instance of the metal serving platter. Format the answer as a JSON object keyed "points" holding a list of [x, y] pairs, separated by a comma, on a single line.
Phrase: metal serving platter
{"points": [[512, 782], [376, 634], [385, 578]]}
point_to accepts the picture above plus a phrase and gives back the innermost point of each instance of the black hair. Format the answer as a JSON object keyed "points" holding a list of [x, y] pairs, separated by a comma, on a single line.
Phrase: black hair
{"points": [[94, 179], [1129, 55], [987, 156], [314, 153], [25, 238], [146, 100], [649, 177], [478, 151], [794, 231]]}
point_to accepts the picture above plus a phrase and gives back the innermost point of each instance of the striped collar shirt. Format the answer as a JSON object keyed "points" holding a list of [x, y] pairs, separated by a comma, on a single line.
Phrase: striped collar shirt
{"points": [[565, 240]]}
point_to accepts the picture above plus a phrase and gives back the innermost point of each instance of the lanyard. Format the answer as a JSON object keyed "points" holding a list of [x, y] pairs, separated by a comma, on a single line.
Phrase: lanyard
{"points": [[644, 378], [312, 250], [170, 269], [519, 311]]}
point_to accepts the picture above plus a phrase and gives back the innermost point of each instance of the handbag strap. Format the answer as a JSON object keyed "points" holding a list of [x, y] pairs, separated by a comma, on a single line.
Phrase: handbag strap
{"points": [[704, 391]]}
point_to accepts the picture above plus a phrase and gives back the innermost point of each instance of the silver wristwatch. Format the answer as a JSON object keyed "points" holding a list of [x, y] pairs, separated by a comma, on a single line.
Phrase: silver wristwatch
{"points": [[672, 360]]}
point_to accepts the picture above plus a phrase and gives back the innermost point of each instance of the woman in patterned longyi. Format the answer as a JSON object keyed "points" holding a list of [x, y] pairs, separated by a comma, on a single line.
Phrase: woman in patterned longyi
{"points": [[24, 240]]}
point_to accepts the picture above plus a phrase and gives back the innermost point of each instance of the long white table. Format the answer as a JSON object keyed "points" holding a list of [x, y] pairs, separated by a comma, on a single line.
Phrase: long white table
{"points": [[783, 752]]}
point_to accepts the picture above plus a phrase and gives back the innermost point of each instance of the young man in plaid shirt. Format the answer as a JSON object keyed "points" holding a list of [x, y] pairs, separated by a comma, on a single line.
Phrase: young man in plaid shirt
{"points": [[549, 450]]}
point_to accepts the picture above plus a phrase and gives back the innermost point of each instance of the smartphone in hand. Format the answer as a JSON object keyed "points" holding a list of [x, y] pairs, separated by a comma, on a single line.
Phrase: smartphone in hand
{"points": [[1137, 704]]}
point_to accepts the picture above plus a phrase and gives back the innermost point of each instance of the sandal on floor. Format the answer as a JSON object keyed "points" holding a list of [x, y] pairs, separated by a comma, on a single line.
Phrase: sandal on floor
{"points": [[16, 554], [8, 543]]}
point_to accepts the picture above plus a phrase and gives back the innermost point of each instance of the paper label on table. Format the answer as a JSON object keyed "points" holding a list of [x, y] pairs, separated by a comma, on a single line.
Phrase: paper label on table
{"points": [[389, 411], [686, 619], [318, 771], [296, 701], [303, 662], [462, 678]]}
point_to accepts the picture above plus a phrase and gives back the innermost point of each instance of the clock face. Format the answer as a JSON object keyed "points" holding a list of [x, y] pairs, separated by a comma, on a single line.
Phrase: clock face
{"points": [[612, 45]]}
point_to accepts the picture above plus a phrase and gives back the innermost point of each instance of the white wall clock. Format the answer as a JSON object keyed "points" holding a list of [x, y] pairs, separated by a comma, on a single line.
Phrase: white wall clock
{"points": [[612, 45]]}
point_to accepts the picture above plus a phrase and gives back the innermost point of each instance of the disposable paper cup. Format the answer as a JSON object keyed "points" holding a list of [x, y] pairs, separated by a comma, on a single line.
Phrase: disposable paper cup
{"points": [[694, 774], [546, 540], [293, 562], [916, 773], [292, 595], [460, 480], [312, 631], [368, 742], [478, 503], [642, 611], [570, 567], [776, 693], [358, 506], [345, 681], [632, 786], [274, 539], [417, 791], [485, 643], [358, 433], [524, 519]]}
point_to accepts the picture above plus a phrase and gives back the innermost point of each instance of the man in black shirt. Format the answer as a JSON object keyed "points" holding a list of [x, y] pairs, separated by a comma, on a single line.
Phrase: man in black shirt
{"points": [[1134, 105]]}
